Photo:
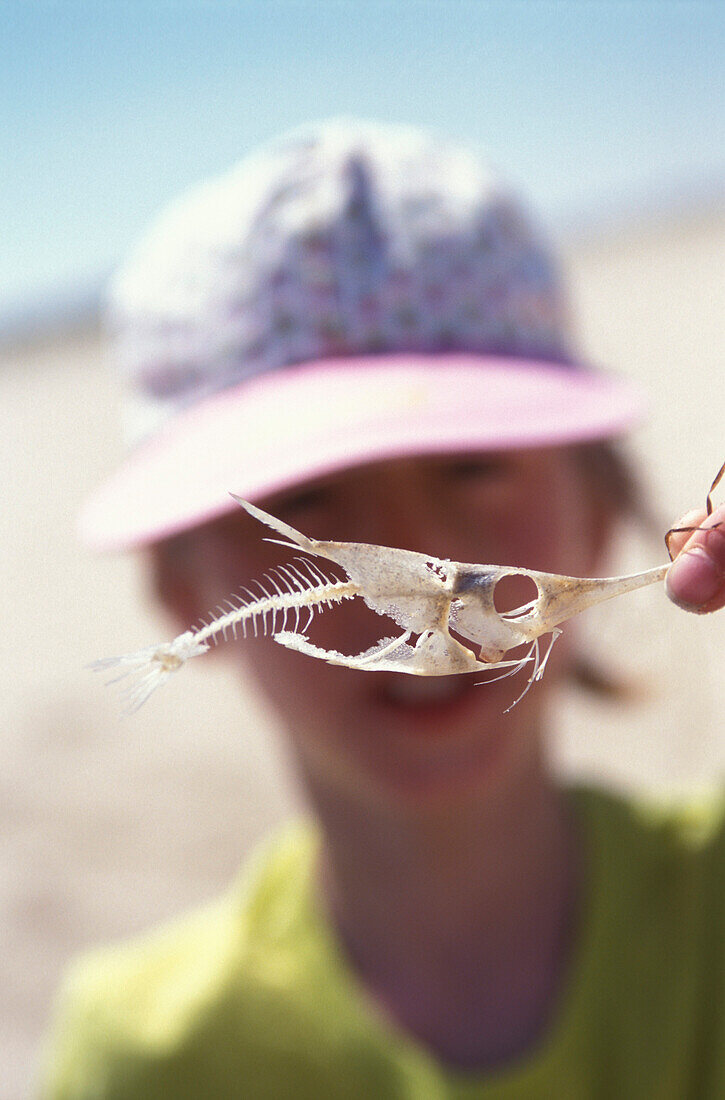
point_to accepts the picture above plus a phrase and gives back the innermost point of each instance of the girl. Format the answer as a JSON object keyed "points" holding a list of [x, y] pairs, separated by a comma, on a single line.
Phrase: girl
{"points": [[359, 329]]}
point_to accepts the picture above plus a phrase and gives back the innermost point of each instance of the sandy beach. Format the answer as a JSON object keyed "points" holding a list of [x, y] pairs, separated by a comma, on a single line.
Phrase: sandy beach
{"points": [[110, 825]]}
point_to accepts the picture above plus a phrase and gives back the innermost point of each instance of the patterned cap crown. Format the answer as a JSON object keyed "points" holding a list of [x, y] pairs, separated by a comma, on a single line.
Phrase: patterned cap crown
{"points": [[341, 239]]}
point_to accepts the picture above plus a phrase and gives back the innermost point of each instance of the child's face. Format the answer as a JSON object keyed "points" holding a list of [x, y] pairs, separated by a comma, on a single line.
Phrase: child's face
{"points": [[388, 735]]}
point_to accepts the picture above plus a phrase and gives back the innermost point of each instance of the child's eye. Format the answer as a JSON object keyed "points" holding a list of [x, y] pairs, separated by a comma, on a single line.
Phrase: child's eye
{"points": [[471, 469], [297, 503]]}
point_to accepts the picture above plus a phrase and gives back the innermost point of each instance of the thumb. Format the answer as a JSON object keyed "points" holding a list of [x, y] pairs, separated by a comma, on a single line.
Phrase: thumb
{"points": [[696, 579]]}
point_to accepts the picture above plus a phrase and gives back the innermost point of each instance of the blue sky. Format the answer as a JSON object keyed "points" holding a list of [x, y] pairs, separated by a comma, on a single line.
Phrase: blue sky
{"points": [[108, 109]]}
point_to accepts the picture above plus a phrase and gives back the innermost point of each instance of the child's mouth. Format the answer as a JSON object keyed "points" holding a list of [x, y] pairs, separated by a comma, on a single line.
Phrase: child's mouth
{"points": [[424, 689], [429, 700]]}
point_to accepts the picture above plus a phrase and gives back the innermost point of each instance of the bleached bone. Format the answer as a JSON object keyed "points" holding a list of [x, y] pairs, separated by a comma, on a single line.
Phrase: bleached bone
{"points": [[425, 596]]}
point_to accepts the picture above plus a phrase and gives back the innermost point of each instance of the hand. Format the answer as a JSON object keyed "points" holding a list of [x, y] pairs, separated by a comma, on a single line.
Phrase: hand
{"points": [[696, 580]]}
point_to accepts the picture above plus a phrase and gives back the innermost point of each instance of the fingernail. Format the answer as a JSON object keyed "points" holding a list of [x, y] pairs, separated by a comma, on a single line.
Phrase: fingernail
{"points": [[693, 579]]}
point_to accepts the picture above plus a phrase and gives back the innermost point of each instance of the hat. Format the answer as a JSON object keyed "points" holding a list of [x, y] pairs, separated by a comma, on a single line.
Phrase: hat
{"points": [[350, 292]]}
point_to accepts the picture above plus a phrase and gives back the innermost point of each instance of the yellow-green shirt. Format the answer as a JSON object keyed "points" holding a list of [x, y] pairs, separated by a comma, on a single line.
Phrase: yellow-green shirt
{"points": [[250, 997]]}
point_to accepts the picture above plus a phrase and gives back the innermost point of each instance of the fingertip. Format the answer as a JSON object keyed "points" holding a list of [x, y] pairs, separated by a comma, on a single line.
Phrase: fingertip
{"points": [[695, 581], [681, 532]]}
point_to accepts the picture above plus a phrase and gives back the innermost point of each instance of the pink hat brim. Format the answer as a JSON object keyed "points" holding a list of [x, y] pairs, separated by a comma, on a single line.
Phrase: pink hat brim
{"points": [[298, 423]]}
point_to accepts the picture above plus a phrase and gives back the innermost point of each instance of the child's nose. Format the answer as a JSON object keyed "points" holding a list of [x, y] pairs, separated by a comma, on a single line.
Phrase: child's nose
{"points": [[398, 508]]}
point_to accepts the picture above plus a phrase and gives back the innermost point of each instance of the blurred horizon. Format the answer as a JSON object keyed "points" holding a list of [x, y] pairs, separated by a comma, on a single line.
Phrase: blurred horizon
{"points": [[603, 113]]}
